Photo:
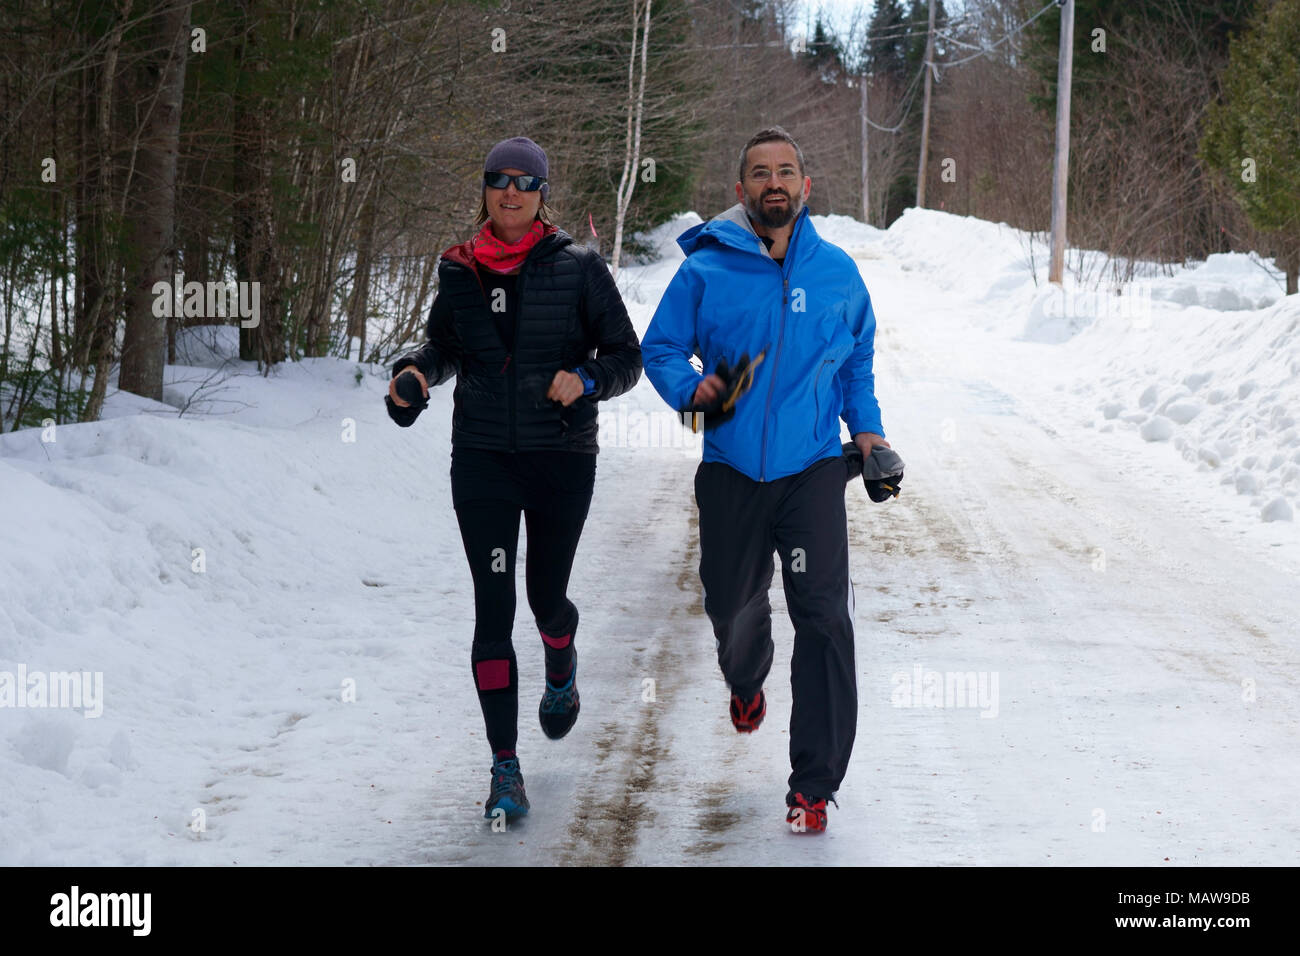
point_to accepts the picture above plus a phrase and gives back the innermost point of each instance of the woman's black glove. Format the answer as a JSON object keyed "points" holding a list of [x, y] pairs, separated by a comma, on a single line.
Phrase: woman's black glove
{"points": [[408, 387]]}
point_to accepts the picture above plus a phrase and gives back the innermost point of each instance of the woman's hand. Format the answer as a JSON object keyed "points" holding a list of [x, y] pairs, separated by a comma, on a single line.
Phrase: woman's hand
{"points": [[392, 386], [566, 388]]}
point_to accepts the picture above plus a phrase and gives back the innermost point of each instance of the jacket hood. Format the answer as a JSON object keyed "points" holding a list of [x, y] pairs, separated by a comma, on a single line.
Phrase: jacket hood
{"points": [[733, 228]]}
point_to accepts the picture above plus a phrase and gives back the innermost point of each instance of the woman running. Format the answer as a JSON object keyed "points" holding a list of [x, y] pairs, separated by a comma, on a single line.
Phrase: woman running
{"points": [[534, 330]]}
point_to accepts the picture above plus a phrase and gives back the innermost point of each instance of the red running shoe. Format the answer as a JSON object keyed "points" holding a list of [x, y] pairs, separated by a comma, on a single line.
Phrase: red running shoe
{"points": [[746, 715], [806, 815]]}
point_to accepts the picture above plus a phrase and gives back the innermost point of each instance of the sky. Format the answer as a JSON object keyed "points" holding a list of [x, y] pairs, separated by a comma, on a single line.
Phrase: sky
{"points": [[838, 12]]}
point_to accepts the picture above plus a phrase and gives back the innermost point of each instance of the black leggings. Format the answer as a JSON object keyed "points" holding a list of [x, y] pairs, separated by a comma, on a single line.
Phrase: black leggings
{"points": [[489, 490]]}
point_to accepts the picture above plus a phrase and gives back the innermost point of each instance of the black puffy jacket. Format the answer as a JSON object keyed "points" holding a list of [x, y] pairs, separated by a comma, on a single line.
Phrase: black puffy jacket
{"points": [[569, 313]]}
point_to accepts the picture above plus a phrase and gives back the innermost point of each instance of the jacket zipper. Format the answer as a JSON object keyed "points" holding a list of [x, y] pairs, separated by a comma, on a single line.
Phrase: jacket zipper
{"points": [[512, 385], [510, 388], [514, 377], [780, 338], [771, 385]]}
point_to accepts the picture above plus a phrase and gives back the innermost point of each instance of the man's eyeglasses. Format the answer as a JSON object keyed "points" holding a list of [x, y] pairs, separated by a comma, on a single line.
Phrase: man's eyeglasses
{"points": [[786, 174], [525, 184]]}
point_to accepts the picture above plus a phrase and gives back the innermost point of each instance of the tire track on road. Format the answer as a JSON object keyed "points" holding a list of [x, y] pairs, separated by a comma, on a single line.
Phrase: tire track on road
{"points": [[615, 805]]}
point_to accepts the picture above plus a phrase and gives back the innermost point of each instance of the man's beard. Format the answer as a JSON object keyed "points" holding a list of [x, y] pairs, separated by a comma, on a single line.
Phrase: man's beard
{"points": [[774, 218]]}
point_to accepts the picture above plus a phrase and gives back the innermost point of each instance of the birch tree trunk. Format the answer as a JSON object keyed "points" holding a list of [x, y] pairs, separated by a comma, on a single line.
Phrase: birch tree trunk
{"points": [[632, 153], [360, 300]]}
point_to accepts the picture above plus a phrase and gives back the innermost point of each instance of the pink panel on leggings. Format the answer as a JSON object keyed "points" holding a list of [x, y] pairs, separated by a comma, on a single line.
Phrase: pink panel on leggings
{"points": [[556, 642], [492, 675]]}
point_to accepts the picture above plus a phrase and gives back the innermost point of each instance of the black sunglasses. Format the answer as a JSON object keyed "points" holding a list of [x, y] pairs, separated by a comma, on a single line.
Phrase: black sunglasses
{"points": [[525, 184]]}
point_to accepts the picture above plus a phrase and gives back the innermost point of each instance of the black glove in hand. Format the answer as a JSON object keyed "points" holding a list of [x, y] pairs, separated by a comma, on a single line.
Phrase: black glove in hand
{"points": [[882, 473], [408, 387], [736, 381]]}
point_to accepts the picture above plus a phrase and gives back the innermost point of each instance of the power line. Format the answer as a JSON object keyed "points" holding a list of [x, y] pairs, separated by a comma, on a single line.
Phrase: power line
{"points": [[908, 34], [986, 50], [954, 40], [910, 94]]}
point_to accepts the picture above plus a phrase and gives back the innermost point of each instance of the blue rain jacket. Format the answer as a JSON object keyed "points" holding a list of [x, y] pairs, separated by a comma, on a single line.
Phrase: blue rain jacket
{"points": [[812, 314]]}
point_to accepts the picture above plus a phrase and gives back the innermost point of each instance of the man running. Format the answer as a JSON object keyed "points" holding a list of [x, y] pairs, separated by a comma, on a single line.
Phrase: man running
{"points": [[760, 289]]}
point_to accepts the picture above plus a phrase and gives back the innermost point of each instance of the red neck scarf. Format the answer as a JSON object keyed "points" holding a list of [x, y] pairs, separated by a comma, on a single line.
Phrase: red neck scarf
{"points": [[491, 253]]}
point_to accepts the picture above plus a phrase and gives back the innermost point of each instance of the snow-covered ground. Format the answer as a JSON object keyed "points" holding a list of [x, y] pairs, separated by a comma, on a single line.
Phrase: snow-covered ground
{"points": [[1096, 535]]}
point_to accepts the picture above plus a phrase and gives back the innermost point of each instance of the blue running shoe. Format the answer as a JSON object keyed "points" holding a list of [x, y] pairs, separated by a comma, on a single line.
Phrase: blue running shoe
{"points": [[507, 789], [559, 707]]}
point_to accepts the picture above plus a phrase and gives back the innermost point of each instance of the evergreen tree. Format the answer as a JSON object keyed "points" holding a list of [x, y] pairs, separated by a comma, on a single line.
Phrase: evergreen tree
{"points": [[1252, 134], [825, 54], [919, 17], [886, 48], [1144, 73], [1197, 28]]}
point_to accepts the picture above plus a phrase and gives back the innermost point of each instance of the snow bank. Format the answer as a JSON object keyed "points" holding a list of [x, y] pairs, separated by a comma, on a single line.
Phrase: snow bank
{"points": [[1206, 359], [1225, 282], [856, 238], [1223, 387], [662, 239], [225, 575], [982, 261]]}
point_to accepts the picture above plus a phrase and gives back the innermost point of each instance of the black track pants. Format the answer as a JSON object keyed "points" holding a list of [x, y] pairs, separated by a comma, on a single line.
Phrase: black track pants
{"points": [[802, 517], [490, 489]]}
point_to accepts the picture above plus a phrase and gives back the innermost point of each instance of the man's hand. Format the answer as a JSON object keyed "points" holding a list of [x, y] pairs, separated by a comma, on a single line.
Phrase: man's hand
{"points": [[708, 390], [867, 441], [392, 386], [566, 388]]}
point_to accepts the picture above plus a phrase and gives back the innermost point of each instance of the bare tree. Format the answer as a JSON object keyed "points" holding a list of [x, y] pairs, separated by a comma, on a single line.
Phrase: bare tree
{"points": [[151, 219], [632, 155], [97, 261]]}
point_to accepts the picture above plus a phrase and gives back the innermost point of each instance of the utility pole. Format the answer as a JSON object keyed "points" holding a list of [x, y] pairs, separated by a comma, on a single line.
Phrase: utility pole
{"points": [[862, 115], [925, 115], [1061, 162]]}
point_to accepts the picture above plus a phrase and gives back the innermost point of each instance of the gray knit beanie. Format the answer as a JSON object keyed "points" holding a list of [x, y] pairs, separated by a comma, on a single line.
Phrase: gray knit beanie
{"points": [[518, 152]]}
